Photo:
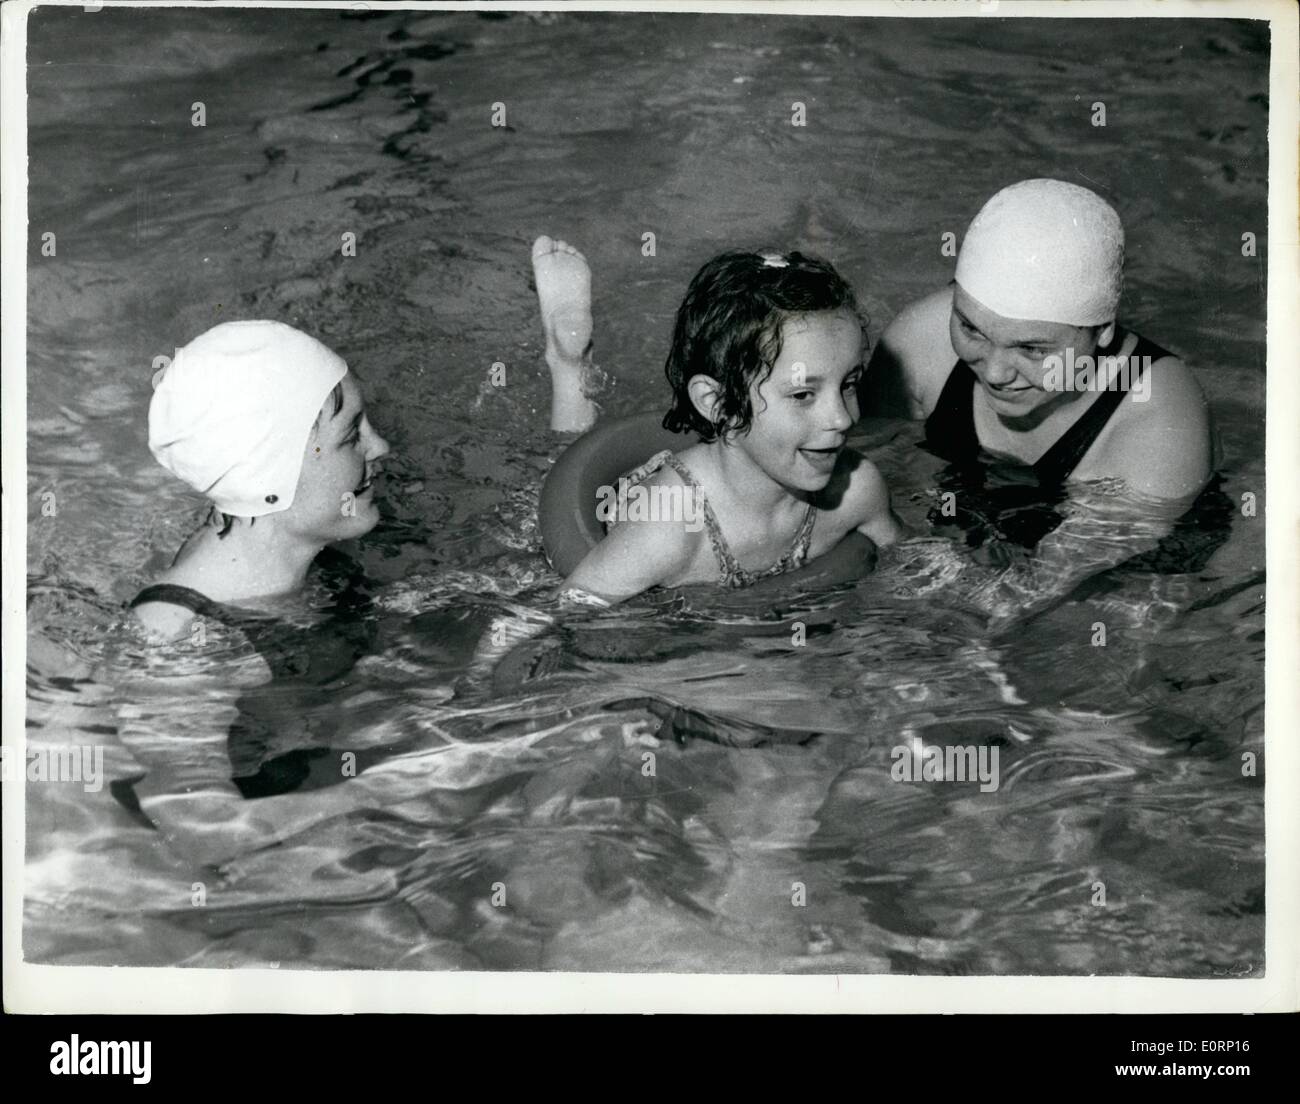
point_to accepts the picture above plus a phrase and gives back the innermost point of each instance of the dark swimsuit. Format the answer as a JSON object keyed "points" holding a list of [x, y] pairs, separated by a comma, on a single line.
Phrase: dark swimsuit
{"points": [[302, 661], [1002, 504]]}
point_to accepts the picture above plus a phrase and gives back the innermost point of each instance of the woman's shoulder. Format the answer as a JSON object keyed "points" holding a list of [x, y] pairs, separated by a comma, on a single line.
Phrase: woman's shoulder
{"points": [[920, 319], [163, 621], [917, 343], [1160, 438], [1162, 387], [169, 607]]}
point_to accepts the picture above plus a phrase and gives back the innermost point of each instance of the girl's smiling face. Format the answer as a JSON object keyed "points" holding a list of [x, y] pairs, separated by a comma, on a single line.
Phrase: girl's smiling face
{"points": [[335, 496], [804, 409], [1007, 354]]}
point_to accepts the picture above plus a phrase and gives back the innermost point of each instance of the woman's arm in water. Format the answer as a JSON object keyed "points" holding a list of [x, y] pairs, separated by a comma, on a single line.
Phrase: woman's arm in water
{"points": [[1154, 461], [176, 727], [1157, 463], [1104, 527]]}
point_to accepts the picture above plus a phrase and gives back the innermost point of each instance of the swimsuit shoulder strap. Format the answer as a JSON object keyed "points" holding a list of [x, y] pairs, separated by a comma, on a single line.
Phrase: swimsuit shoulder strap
{"points": [[642, 472], [732, 574], [288, 652], [183, 596], [950, 428], [727, 564], [1056, 464], [802, 541], [1145, 348]]}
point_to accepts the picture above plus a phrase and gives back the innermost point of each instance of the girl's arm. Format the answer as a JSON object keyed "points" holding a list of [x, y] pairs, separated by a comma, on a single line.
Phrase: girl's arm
{"points": [[871, 504], [633, 557]]}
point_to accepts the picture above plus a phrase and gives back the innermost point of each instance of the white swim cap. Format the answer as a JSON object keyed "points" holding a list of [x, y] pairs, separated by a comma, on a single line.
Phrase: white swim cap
{"points": [[232, 413], [1044, 250]]}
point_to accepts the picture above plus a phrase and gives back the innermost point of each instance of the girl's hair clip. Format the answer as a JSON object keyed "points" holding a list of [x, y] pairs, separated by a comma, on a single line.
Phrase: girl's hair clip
{"points": [[774, 260]]}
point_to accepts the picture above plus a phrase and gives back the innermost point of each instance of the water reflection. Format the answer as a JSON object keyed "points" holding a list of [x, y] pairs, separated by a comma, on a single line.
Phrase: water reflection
{"points": [[771, 764]]}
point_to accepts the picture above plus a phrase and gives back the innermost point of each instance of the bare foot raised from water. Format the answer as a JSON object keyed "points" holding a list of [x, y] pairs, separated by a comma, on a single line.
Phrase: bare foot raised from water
{"points": [[564, 296]]}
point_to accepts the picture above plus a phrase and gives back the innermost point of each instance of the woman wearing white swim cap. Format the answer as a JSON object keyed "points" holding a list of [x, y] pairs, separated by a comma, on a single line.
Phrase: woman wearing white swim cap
{"points": [[1009, 366], [268, 424]]}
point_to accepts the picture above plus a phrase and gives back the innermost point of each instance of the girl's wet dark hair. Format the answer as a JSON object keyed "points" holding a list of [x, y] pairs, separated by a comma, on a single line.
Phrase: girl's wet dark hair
{"points": [[729, 327], [228, 520]]}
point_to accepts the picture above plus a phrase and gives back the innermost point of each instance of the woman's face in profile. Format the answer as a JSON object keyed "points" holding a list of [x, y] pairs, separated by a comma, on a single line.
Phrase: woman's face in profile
{"points": [[335, 496]]}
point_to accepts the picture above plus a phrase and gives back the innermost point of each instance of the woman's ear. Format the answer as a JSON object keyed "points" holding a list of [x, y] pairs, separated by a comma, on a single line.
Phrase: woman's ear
{"points": [[1106, 335], [706, 397]]}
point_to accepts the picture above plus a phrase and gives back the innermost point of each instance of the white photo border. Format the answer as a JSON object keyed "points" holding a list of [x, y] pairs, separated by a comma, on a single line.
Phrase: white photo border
{"points": [[30, 988]]}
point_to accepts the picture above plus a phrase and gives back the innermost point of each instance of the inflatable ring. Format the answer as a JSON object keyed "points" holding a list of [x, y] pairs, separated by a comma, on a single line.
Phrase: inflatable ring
{"points": [[566, 513], [567, 509]]}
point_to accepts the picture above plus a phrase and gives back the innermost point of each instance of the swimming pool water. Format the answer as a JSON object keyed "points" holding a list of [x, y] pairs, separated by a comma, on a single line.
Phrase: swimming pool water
{"points": [[1120, 765]]}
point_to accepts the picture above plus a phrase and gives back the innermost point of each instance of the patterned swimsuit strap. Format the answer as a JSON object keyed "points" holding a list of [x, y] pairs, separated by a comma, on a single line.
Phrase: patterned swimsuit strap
{"points": [[733, 575]]}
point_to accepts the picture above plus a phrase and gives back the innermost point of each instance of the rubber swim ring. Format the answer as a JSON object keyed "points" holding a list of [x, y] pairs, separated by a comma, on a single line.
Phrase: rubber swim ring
{"points": [[567, 509]]}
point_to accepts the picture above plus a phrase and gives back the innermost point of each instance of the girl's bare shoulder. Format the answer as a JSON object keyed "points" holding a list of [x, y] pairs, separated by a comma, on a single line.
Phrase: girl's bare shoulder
{"points": [[856, 489]]}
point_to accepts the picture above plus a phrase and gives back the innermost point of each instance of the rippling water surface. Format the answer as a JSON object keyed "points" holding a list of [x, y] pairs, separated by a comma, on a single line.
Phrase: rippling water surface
{"points": [[1120, 765]]}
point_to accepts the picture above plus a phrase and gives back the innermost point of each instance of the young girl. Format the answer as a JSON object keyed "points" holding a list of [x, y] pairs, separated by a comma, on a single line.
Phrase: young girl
{"points": [[766, 356]]}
